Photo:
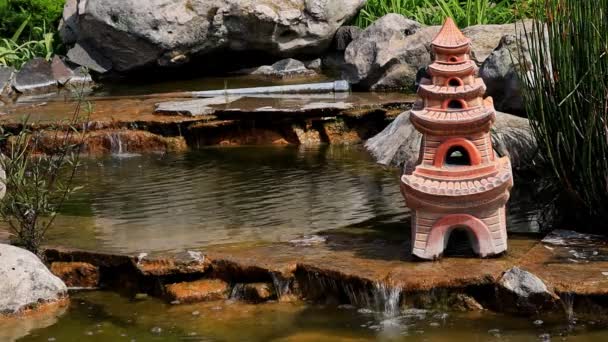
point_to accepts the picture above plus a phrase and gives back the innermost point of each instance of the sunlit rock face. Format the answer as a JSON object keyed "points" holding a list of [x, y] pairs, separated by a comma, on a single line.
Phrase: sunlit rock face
{"points": [[391, 53], [399, 143], [25, 282], [136, 33]]}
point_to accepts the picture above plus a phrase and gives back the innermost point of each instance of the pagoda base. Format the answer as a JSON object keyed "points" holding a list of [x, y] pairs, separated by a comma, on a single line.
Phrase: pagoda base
{"points": [[431, 232]]}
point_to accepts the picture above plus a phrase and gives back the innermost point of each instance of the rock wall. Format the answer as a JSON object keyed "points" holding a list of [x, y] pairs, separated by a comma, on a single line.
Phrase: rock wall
{"points": [[393, 54], [124, 35]]}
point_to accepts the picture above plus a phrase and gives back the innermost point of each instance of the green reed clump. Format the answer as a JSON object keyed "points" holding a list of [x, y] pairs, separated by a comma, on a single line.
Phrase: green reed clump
{"points": [[464, 12], [566, 96]]}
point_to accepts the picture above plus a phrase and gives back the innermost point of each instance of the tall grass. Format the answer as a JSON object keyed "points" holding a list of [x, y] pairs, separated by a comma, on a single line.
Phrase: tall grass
{"points": [[566, 97], [433, 12]]}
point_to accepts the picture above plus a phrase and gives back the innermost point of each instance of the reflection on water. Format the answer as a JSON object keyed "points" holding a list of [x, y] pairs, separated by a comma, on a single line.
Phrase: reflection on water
{"points": [[101, 316], [189, 83], [230, 195]]}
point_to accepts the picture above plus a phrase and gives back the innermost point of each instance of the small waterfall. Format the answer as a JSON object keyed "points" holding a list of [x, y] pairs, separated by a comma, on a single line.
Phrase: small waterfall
{"points": [[387, 299], [118, 147], [567, 300], [384, 299], [379, 298], [281, 285], [238, 292], [115, 143]]}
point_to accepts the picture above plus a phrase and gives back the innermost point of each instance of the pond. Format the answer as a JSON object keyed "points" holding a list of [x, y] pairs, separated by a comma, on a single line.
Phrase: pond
{"points": [[104, 316], [169, 202]]}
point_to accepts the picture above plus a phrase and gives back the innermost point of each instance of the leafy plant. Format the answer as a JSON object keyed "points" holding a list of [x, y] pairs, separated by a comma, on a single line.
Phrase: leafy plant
{"points": [[37, 184], [41, 13], [566, 96], [433, 12], [15, 54]]}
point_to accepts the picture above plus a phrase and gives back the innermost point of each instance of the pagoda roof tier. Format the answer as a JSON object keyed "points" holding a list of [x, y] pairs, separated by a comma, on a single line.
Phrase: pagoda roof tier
{"points": [[449, 122], [447, 70], [476, 191], [450, 36], [477, 89]]}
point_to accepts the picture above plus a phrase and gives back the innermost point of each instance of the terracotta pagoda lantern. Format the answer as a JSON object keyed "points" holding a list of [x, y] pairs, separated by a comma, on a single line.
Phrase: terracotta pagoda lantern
{"points": [[459, 183]]}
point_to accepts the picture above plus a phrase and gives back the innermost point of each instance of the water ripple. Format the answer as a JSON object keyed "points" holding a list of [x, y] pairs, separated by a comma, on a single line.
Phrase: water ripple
{"points": [[233, 195]]}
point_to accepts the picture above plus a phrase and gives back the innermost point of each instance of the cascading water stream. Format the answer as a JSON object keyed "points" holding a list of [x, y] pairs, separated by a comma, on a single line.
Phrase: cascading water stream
{"points": [[567, 300], [281, 285], [237, 292], [384, 299], [115, 143], [387, 299], [117, 146]]}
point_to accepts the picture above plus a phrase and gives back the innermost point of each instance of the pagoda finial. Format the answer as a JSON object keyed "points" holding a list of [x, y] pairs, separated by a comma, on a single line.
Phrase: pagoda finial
{"points": [[450, 36]]}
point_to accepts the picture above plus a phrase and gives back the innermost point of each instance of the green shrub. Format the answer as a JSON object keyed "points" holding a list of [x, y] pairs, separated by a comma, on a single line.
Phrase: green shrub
{"points": [[566, 98], [37, 184], [434, 12], [38, 13]]}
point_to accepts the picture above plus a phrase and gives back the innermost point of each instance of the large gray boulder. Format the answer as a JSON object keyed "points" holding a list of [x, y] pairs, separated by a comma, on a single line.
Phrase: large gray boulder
{"points": [[25, 282], [485, 38], [500, 72], [344, 36], [389, 54], [522, 292], [398, 144], [388, 47], [138, 33], [502, 68]]}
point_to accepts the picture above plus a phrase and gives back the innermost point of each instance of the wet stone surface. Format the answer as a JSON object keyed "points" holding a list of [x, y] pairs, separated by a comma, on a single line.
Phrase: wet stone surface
{"points": [[35, 76], [76, 274], [197, 291], [166, 122]]}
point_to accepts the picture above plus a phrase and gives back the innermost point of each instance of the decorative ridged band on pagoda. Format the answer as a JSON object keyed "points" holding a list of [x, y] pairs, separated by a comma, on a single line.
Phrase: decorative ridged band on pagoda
{"points": [[429, 121], [463, 187], [460, 69], [477, 89]]}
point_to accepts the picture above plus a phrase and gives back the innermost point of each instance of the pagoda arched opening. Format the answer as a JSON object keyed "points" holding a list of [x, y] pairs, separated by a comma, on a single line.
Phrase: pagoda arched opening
{"points": [[457, 156], [475, 228], [454, 59], [457, 152], [454, 82], [454, 104], [460, 242]]}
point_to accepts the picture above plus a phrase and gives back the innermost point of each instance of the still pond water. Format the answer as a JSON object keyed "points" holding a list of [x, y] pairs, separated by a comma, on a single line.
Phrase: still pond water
{"points": [[155, 203], [103, 316]]}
